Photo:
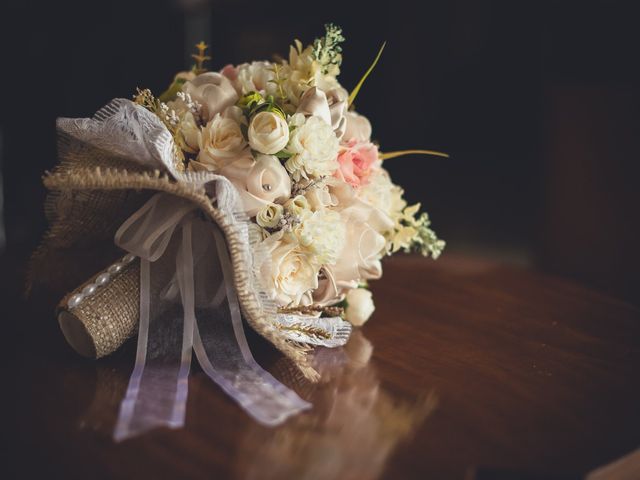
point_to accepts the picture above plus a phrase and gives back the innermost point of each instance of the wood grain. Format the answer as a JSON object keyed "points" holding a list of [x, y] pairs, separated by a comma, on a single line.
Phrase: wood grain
{"points": [[467, 369]]}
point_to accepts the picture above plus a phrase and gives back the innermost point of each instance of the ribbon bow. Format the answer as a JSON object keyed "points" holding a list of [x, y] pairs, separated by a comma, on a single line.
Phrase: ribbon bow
{"points": [[185, 277]]}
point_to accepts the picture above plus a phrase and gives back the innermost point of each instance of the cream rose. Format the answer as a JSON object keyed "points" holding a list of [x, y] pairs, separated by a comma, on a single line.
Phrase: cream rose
{"points": [[269, 216], [357, 128], [260, 182], [268, 133], [255, 77], [213, 91], [220, 141], [314, 149], [287, 273], [359, 306]]}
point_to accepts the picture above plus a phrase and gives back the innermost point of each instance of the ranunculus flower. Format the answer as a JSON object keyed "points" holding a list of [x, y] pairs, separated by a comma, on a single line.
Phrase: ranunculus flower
{"points": [[359, 306], [268, 133], [221, 140], [357, 128], [356, 162], [314, 147], [287, 273], [260, 182], [213, 91]]}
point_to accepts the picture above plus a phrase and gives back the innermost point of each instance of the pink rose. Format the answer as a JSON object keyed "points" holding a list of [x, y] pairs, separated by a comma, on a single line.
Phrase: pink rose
{"points": [[356, 162]]}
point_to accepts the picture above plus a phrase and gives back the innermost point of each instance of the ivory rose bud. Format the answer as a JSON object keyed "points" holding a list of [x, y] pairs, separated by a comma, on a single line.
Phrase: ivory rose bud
{"points": [[287, 273], [260, 182], [268, 133], [220, 141], [356, 163], [359, 306], [269, 216], [213, 91], [357, 128]]}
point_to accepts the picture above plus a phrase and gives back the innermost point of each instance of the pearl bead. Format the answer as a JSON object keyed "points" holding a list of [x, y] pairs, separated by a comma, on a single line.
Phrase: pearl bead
{"points": [[115, 268], [89, 289], [266, 187], [75, 300], [103, 279], [128, 258]]}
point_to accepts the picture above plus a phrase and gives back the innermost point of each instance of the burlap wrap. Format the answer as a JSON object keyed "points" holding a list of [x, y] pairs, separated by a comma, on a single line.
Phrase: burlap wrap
{"points": [[92, 191]]}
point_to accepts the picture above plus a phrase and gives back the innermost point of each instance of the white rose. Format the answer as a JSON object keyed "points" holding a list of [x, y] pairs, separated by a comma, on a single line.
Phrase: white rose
{"points": [[269, 216], [220, 141], [287, 273], [255, 77], [213, 91], [359, 306], [357, 128], [268, 133], [315, 149]]}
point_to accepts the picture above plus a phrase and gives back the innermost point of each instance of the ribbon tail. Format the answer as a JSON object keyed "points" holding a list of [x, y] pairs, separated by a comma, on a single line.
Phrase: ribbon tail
{"points": [[221, 347], [157, 391]]}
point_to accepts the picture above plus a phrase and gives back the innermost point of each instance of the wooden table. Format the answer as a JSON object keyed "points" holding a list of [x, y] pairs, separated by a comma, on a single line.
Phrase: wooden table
{"points": [[467, 369]]}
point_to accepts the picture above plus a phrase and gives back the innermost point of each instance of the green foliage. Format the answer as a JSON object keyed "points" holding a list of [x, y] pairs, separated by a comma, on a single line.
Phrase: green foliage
{"points": [[426, 242], [327, 50], [253, 103], [171, 92], [357, 88]]}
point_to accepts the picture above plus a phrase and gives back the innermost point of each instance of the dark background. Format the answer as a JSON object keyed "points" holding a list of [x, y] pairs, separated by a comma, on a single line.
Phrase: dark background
{"points": [[537, 103]]}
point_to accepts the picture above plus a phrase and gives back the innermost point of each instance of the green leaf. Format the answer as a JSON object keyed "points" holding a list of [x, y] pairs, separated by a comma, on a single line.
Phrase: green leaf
{"points": [[171, 92], [354, 92]]}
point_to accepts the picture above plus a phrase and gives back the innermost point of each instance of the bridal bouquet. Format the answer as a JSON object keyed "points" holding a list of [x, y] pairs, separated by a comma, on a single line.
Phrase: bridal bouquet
{"points": [[254, 192], [309, 175]]}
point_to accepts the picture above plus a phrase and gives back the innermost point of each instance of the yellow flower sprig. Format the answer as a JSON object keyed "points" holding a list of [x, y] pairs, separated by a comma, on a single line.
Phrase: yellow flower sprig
{"points": [[200, 58]]}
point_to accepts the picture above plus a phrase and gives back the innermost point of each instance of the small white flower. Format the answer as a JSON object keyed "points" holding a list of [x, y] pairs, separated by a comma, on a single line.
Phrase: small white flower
{"points": [[315, 149], [359, 306], [268, 133]]}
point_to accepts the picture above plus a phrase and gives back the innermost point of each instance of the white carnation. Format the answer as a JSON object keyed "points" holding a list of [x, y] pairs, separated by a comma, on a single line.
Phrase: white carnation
{"points": [[315, 149], [323, 234]]}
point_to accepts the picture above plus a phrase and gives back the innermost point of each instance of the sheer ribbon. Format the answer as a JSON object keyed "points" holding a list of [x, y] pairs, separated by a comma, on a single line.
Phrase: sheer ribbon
{"points": [[185, 278]]}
